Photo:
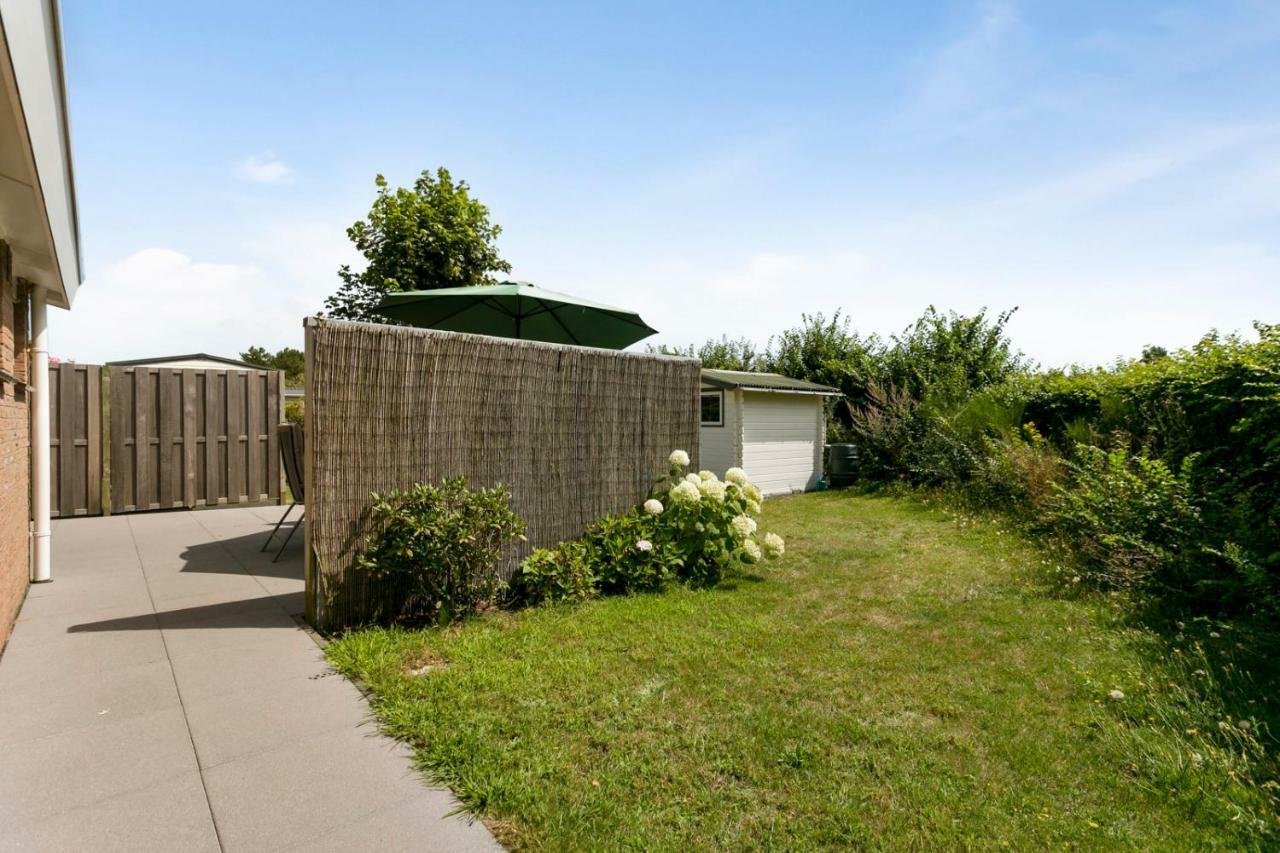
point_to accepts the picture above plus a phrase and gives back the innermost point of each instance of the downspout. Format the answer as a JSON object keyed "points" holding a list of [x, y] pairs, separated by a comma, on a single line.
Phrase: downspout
{"points": [[40, 571]]}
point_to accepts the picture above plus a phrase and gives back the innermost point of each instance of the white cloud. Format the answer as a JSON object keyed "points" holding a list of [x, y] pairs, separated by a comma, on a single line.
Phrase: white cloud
{"points": [[1155, 159], [770, 275], [159, 301], [307, 254], [756, 298], [956, 85], [264, 168]]}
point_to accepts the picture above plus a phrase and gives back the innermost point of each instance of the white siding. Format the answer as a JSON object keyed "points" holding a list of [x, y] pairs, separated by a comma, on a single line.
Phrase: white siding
{"points": [[719, 446], [782, 441], [199, 364]]}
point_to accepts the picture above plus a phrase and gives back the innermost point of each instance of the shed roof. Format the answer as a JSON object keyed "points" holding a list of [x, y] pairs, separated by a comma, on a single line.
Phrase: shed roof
{"points": [[750, 381], [194, 356]]}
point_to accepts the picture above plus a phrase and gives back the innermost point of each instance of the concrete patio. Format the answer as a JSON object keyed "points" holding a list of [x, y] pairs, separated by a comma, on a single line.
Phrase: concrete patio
{"points": [[161, 695]]}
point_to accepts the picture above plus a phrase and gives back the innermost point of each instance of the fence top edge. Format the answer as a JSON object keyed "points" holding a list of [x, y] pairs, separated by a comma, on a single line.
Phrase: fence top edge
{"points": [[513, 343]]}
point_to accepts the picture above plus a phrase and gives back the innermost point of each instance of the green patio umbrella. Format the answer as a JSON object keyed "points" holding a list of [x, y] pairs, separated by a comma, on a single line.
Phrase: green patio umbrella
{"points": [[517, 309]]}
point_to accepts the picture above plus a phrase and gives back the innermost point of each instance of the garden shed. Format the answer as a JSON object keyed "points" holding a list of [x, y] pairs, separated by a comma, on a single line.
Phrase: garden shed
{"points": [[772, 426], [191, 361]]}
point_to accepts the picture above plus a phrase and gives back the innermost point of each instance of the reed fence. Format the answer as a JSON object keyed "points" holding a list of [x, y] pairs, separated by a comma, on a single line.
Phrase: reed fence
{"points": [[574, 433]]}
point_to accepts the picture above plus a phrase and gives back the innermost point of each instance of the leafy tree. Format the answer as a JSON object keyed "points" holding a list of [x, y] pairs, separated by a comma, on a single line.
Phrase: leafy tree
{"points": [[828, 352], [289, 360], [951, 355], [722, 354], [430, 236], [1153, 353], [257, 355]]}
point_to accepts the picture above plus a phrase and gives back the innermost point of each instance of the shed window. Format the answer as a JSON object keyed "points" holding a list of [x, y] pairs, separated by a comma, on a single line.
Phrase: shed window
{"points": [[713, 408]]}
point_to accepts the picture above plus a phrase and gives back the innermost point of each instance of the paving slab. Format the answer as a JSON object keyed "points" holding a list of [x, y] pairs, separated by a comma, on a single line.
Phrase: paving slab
{"points": [[161, 694], [172, 815], [82, 766], [281, 657], [400, 828], [242, 722], [78, 656], [103, 698], [269, 804]]}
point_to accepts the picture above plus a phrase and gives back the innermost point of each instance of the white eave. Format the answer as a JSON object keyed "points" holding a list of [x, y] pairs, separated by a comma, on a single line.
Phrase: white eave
{"points": [[37, 187]]}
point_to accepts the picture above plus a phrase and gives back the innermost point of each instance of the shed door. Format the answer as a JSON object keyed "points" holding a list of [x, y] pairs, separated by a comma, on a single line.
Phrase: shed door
{"points": [[782, 437]]}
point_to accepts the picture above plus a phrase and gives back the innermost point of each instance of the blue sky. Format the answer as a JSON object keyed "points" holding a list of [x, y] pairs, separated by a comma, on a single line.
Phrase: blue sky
{"points": [[1112, 169]]}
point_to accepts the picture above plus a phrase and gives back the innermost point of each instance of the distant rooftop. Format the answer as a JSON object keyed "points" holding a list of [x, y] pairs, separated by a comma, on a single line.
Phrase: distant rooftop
{"points": [[195, 356], [750, 381]]}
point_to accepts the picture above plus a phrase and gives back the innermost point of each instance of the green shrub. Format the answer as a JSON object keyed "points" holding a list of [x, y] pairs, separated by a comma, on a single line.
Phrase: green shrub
{"points": [[627, 556], [440, 546], [1131, 517], [1020, 473], [562, 573], [962, 424], [1218, 402], [885, 427]]}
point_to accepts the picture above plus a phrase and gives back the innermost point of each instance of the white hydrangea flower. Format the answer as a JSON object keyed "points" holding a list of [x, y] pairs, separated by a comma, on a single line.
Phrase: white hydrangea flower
{"points": [[693, 478], [653, 506], [750, 551], [678, 457], [774, 546], [752, 491], [704, 474], [684, 492], [743, 526], [644, 545], [737, 476], [713, 489], [754, 507]]}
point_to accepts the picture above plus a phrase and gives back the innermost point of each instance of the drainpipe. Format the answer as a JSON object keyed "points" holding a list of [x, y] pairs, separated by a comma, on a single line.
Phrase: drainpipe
{"points": [[40, 572]]}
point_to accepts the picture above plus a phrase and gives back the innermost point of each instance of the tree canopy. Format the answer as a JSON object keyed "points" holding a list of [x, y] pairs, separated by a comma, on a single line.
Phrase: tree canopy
{"points": [[722, 354], [292, 362], [940, 354], [430, 236]]}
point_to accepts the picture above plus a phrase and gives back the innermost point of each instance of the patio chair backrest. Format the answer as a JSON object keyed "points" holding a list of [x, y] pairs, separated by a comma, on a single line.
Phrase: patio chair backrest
{"points": [[291, 438]]}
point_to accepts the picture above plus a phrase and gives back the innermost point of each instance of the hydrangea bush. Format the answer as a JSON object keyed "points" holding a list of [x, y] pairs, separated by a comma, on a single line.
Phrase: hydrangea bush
{"points": [[693, 528]]}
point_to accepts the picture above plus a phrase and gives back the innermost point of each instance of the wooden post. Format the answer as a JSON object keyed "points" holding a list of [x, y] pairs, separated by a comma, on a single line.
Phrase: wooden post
{"points": [[190, 447], [92, 440], [280, 418], [310, 594]]}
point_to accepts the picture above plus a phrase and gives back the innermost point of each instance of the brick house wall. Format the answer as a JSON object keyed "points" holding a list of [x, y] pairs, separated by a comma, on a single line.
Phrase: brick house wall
{"points": [[15, 439]]}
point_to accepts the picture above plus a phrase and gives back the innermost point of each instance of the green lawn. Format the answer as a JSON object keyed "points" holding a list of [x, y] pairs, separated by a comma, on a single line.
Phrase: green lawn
{"points": [[901, 679]]}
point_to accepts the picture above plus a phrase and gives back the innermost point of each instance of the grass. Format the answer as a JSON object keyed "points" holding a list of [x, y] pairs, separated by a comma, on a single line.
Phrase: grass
{"points": [[902, 679]]}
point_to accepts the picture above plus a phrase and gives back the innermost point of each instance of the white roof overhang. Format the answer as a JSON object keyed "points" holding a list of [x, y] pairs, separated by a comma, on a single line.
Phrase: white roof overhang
{"points": [[37, 188]]}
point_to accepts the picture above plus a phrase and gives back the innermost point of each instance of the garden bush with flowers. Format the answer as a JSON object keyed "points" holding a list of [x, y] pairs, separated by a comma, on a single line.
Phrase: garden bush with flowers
{"points": [[694, 528]]}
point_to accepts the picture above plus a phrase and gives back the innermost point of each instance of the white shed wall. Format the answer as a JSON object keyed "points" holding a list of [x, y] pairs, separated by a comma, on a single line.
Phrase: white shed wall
{"points": [[198, 364], [721, 446], [782, 440]]}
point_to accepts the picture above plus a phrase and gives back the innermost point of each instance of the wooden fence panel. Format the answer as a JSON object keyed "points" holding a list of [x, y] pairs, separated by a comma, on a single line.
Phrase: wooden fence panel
{"points": [[191, 438], [75, 439], [575, 433]]}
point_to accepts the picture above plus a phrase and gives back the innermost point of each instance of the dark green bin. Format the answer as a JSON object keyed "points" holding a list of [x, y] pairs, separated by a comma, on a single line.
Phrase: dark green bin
{"points": [[842, 465]]}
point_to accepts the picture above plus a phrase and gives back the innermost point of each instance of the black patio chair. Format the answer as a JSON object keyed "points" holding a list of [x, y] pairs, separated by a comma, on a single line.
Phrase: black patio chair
{"points": [[290, 438]]}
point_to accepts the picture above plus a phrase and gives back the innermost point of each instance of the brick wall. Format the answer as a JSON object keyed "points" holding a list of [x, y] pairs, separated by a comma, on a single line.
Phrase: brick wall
{"points": [[15, 458]]}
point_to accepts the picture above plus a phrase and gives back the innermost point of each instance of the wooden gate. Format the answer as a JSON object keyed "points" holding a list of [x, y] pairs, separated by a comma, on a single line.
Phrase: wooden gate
{"points": [[75, 439], [175, 438]]}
